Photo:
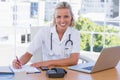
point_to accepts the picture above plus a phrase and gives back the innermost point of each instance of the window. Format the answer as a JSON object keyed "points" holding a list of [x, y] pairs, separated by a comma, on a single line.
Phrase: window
{"points": [[3, 0], [102, 1], [98, 30], [34, 9]]}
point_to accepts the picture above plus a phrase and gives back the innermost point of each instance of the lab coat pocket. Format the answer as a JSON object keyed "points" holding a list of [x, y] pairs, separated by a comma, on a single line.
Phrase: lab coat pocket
{"points": [[67, 50]]}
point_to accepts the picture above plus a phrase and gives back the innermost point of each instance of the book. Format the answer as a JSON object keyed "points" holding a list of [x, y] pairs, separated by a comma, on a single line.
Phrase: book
{"points": [[26, 68]]}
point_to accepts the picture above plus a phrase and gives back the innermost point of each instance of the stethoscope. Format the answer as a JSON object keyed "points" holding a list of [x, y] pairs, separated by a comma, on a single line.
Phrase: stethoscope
{"points": [[66, 43]]}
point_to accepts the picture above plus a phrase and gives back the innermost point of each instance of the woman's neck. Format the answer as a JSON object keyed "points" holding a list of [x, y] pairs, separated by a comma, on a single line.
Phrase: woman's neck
{"points": [[60, 33]]}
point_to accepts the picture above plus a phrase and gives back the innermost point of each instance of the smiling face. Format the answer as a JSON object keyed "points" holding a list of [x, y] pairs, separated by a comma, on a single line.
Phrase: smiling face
{"points": [[62, 19]]}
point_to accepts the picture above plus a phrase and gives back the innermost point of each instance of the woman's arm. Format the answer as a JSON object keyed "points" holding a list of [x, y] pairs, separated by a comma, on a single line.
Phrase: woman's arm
{"points": [[72, 60], [23, 60]]}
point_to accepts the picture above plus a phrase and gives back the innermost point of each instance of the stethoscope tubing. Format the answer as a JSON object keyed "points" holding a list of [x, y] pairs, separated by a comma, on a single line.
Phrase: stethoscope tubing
{"points": [[69, 40]]}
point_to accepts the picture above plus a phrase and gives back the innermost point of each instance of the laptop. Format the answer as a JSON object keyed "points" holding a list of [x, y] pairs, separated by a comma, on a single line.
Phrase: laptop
{"points": [[108, 58]]}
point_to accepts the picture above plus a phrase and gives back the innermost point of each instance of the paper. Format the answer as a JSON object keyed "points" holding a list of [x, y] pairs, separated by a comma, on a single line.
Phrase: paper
{"points": [[26, 68]]}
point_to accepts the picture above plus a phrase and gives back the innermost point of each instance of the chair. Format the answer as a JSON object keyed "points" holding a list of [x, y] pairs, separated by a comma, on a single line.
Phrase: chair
{"points": [[85, 59], [36, 57]]}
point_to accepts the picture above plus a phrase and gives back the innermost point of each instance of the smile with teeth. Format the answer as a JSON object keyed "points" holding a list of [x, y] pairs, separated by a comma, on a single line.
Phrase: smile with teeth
{"points": [[63, 24]]}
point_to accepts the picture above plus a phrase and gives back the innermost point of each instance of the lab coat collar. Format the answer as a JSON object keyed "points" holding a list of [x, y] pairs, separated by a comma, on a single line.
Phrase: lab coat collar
{"points": [[55, 35], [66, 34]]}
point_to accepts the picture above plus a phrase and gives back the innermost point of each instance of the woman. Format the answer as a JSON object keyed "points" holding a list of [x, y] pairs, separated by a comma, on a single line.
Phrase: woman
{"points": [[60, 43]]}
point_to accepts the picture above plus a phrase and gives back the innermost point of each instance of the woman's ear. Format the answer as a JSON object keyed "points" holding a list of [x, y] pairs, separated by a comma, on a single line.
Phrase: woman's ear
{"points": [[72, 23]]}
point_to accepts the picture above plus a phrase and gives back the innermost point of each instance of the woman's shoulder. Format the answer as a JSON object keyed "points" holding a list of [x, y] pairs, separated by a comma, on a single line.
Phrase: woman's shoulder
{"points": [[74, 30], [75, 33]]}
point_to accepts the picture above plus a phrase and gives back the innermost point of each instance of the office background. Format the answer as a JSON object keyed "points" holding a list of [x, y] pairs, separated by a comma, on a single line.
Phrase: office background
{"points": [[97, 20]]}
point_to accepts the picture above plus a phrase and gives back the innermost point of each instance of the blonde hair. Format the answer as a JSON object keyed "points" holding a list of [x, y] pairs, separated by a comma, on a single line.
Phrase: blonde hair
{"points": [[67, 6]]}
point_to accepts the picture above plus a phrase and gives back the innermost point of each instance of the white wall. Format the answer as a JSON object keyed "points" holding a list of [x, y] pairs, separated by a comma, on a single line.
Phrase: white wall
{"points": [[6, 18]]}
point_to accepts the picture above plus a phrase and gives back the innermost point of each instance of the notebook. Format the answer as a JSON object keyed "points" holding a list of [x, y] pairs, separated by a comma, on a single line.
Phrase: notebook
{"points": [[108, 58], [10, 70], [5, 70], [27, 68]]}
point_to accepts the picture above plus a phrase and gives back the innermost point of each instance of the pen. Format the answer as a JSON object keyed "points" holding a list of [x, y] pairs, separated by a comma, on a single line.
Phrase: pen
{"points": [[32, 72], [18, 61]]}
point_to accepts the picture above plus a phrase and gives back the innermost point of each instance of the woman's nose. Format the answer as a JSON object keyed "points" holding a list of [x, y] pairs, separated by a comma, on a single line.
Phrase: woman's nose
{"points": [[62, 19]]}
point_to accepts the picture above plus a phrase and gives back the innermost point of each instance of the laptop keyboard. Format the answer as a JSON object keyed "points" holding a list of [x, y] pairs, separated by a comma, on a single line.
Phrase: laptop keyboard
{"points": [[88, 68]]}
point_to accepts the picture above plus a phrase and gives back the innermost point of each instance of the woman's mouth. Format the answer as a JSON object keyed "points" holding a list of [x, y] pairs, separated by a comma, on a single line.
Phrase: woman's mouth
{"points": [[63, 24]]}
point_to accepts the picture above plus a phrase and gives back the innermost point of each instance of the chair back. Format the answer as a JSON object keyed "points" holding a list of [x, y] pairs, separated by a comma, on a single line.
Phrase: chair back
{"points": [[38, 55]]}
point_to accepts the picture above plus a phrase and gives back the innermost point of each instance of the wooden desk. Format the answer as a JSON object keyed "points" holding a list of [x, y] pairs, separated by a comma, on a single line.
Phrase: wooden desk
{"points": [[111, 74]]}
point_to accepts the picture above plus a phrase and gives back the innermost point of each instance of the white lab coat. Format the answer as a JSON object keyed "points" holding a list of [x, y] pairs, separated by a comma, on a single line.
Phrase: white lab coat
{"points": [[43, 40]]}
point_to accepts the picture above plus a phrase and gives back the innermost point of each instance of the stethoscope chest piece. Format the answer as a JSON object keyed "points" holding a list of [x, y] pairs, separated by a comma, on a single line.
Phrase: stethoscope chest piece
{"points": [[51, 53]]}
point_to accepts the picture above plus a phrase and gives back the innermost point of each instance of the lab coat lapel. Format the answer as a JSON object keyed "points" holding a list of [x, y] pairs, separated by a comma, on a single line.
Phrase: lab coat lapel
{"points": [[55, 35], [66, 34]]}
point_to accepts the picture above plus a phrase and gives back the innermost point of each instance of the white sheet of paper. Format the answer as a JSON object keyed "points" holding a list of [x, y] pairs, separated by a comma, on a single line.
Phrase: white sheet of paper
{"points": [[26, 68]]}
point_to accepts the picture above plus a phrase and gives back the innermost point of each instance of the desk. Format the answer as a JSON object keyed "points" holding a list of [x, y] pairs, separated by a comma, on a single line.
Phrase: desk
{"points": [[111, 74]]}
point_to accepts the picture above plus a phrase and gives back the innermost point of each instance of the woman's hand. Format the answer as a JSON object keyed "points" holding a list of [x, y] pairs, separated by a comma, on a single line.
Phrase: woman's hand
{"points": [[16, 64], [39, 64]]}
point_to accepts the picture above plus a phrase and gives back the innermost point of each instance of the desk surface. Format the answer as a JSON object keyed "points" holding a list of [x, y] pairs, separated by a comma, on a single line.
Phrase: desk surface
{"points": [[111, 74]]}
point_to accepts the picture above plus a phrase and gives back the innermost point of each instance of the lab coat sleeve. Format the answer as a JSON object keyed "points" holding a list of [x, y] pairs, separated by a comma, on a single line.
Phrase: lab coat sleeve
{"points": [[36, 43], [76, 42]]}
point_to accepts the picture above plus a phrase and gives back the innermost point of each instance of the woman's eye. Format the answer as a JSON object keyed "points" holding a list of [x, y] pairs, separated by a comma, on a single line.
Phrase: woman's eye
{"points": [[66, 16], [63, 17], [58, 17]]}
